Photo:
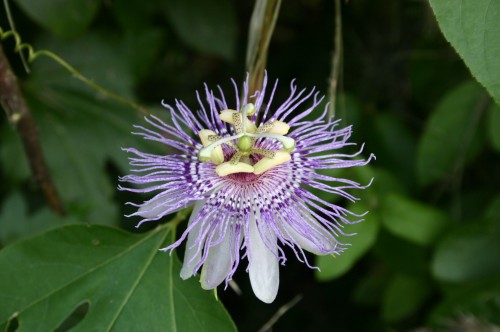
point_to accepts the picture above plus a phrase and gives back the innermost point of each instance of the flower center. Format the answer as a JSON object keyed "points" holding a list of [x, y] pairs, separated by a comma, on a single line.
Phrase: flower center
{"points": [[244, 141]]}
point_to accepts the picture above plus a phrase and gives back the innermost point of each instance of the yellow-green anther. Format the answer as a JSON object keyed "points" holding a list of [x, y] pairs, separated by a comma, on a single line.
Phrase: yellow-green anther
{"points": [[236, 119], [228, 168], [227, 116], [287, 142], [248, 109], [206, 153], [264, 152], [236, 158], [279, 127], [274, 127], [237, 123], [217, 155], [266, 163], [264, 128], [245, 143], [208, 137]]}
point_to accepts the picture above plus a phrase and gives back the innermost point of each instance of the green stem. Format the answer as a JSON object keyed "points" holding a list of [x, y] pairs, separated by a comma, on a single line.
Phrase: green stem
{"points": [[336, 59], [262, 23]]}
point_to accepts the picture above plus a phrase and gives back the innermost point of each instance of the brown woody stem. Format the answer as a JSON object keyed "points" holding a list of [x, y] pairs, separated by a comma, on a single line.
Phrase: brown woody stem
{"points": [[20, 116]]}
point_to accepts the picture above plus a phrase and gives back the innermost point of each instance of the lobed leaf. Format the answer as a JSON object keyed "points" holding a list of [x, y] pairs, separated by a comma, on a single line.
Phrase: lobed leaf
{"points": [[413, 221], [119, 280]]}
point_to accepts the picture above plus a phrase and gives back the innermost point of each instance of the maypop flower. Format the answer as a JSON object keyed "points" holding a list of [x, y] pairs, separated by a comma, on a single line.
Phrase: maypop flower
{"points": [[248, 175]]}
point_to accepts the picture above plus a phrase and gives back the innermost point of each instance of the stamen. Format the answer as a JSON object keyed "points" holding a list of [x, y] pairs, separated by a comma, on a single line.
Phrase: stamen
{"points": [[266, 163], [288, 142], [246, 135], [205, 153], [264, 152], [208, 137], [274, 127], [238, 123], [236, 158], [228, 168], [227, 115], [236, 119]]}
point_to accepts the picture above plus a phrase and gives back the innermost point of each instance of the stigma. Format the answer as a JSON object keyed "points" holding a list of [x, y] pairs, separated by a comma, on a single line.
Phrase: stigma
{"points": [[248, 158]]}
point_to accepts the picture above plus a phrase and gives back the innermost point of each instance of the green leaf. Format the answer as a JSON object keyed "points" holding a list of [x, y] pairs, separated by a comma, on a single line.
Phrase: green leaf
{"points": [[208, 26], [413, 221], [472, 27], [63, 18], [366, 233], [403, 296], [471, 252], [451, 136], [127, 284], [494, 126]]}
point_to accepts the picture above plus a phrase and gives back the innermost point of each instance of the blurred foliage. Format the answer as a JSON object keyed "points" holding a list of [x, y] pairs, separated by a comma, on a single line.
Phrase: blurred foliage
{"points": [[426, 253]]}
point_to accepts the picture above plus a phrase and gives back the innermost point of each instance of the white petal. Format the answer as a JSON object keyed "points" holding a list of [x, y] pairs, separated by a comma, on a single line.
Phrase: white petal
{"points": [[264, 266], [192, 255], [218, 263]]}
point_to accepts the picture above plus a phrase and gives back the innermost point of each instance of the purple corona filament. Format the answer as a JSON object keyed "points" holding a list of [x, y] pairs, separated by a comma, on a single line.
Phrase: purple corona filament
{"points": [[247, 171]]}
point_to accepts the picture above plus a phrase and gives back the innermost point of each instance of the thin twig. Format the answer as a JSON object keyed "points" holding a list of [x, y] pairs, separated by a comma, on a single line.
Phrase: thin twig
{"points": [[336, 59], [19, 114], [13, 28], [281, 311], [262, 23]]}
